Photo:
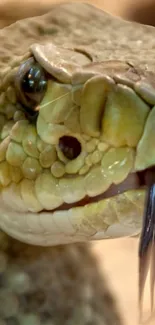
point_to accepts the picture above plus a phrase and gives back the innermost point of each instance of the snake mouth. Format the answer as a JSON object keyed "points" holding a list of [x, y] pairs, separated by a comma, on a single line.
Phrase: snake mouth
{"points": [[134, 181], [114, 213]]}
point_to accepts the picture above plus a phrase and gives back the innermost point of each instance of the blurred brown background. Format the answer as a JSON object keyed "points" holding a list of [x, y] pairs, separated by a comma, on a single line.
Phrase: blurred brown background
{"points": [[118, 258], [139, 10]]}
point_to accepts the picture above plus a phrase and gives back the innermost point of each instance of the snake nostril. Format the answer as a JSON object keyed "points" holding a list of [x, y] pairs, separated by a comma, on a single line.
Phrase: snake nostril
{"points": [[70, 147]]}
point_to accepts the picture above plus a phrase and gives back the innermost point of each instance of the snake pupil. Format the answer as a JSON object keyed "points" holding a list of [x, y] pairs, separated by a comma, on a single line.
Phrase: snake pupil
{"points": [[33, 86], [34, 80], [70, 147]]}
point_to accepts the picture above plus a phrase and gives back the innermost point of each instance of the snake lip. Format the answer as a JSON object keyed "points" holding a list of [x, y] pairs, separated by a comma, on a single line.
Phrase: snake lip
{"points": [[133, 181]]}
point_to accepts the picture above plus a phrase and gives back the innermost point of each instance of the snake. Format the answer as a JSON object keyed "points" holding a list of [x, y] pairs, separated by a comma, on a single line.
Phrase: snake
{"points": [[77, 126]]}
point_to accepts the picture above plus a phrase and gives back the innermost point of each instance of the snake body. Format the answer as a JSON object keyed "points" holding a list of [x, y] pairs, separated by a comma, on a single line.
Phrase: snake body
{"points": [[77, 98], [73, 145]]}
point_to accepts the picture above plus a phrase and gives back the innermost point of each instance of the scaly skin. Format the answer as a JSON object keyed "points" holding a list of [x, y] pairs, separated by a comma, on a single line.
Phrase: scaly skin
{"points": [[104, 99], [101, 98]]}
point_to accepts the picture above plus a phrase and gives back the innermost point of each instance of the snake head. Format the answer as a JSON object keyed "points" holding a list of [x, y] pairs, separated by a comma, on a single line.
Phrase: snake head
{"points": [[77, 129], [74, 135], [69, 148]]}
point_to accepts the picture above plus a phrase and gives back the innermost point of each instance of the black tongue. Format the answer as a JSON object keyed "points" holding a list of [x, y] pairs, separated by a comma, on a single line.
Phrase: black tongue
{"points": [[147, 243]]}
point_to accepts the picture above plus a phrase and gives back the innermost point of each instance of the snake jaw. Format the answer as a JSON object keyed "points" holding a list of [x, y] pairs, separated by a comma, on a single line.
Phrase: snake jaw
{"points": [[81, 221]]}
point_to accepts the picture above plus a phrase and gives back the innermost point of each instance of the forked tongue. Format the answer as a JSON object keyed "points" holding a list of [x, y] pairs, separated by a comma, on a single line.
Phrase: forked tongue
{"points": [[147, 243]]}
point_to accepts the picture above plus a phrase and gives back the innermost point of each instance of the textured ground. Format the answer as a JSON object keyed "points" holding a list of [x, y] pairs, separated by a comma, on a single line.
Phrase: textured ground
{"points": [[118, 258]]}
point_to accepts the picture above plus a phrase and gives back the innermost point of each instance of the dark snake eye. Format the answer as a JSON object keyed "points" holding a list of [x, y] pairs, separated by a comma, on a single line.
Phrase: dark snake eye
{"points": [[31, 84], [34, 82], [70, 147]]}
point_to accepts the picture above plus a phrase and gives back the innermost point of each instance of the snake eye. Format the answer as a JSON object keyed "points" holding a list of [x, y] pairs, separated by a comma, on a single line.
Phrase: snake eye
{"points": [[70, 147], [31, 84]]}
